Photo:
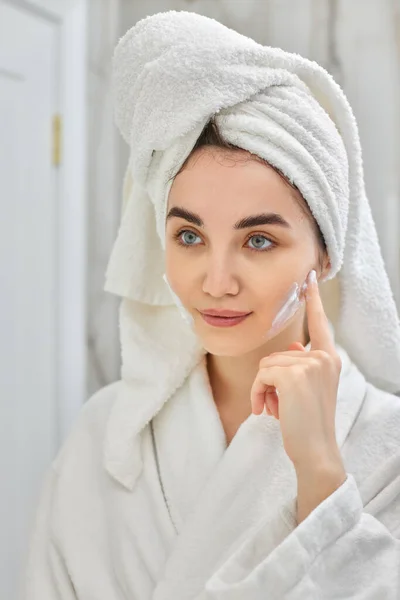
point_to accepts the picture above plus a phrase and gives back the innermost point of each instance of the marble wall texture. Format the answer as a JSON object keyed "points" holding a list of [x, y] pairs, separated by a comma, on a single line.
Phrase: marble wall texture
{"points": [[358, 42]]}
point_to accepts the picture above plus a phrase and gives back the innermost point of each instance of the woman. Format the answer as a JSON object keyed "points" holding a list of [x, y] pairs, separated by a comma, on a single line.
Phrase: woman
{"points": [[250, 458]]}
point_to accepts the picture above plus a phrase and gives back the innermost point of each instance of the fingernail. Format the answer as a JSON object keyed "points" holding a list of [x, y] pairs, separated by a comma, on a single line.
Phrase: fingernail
{"points": [[312, 277]]}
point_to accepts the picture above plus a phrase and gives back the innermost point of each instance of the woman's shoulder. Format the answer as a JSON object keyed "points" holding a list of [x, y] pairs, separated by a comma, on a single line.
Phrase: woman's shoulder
{"points": [[98, 405], [88, 430]]}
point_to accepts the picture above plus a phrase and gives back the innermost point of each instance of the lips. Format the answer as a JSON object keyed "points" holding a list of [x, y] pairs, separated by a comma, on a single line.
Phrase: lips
{"points": [[224, 313], [224, 321]]}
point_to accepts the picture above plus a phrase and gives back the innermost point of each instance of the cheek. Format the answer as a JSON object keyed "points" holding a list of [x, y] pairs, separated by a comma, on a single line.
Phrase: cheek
{"points": [[272, 289], [270, 299], [293, 266]]}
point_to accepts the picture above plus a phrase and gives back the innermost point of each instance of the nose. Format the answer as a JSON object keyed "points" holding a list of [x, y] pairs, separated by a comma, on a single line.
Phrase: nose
{"points": [[220, 277]]}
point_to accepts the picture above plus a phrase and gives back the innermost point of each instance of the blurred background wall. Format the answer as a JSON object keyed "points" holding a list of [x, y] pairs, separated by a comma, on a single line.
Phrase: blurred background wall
{"points": [[358, 42]]}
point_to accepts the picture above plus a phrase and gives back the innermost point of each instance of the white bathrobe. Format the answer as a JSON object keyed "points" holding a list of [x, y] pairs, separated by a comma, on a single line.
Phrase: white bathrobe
{"points": [[134, 509]]}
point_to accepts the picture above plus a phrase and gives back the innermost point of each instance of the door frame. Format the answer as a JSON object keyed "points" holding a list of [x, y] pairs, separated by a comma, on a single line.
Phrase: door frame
{"points": [[71, 193]]}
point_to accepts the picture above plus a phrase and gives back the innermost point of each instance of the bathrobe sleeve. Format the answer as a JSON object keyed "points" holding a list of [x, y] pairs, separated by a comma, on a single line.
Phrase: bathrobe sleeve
{"points": [[338, 552], [45, 577]]}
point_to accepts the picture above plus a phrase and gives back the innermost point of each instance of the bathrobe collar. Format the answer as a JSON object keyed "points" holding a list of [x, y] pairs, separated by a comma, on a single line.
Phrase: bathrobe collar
{"points": [[157, 358]]}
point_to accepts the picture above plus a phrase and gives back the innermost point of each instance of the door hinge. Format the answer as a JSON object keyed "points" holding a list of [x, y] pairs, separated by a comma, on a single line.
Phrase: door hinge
{"points": [[57, 140]]}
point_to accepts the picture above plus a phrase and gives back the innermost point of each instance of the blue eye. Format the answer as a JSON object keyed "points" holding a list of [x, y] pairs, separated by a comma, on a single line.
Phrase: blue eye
{"points": [[262, 248], [180, 236]]}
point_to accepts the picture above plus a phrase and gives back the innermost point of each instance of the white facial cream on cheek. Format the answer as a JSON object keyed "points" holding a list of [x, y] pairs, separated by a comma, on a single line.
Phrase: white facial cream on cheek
{"points": [[289, 307]]}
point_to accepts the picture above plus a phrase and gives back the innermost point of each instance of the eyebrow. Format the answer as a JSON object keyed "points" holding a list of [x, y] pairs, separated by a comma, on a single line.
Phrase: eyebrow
{"points": [[250, 221]]}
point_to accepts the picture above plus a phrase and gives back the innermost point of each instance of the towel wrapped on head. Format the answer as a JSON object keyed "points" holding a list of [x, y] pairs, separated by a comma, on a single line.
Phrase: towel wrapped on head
{"points": [[173, 72]]}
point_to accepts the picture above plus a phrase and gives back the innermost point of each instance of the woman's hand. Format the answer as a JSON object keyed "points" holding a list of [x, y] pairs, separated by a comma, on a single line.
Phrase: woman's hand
{"points": [[307, 385]]}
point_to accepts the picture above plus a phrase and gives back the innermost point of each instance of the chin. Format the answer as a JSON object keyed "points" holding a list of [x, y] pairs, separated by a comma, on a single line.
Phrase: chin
{"points": [[228, 347], [211, 349]]}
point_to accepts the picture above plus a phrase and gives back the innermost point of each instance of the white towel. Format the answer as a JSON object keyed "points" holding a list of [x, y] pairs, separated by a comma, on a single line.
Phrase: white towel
{"points": [[172, 72]]}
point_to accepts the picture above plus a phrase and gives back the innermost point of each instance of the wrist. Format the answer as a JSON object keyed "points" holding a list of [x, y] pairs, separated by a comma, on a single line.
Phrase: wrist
{"points": [[325, 465], [316, 484]]}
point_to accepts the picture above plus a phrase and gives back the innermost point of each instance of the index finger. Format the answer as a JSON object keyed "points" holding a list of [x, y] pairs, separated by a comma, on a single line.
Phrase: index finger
{"points": [[318, 323]]}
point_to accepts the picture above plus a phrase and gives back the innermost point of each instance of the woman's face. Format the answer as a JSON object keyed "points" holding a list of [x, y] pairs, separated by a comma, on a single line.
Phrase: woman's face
{"points": [[215, 264]]}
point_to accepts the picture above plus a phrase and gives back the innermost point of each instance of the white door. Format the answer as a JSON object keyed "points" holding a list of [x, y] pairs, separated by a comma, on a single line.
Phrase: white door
{"points": [[28, 269]]}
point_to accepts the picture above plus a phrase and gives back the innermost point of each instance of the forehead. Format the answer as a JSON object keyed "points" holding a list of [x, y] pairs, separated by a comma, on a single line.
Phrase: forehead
{"points": [[229, 179]]}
